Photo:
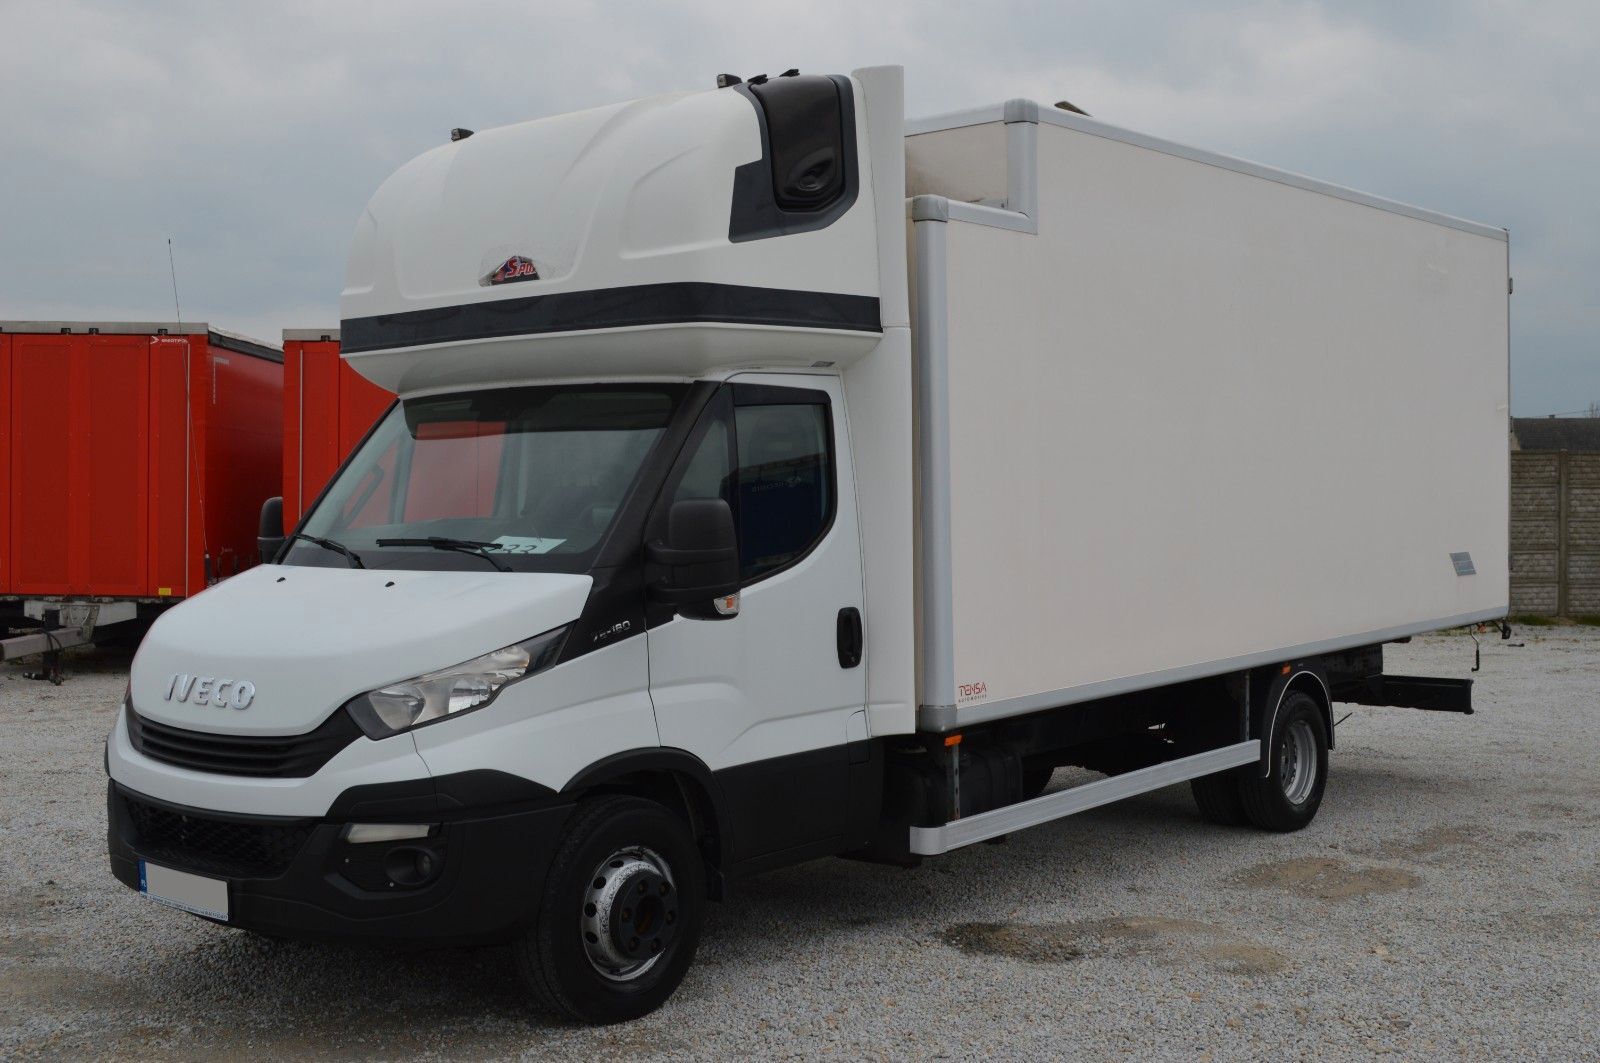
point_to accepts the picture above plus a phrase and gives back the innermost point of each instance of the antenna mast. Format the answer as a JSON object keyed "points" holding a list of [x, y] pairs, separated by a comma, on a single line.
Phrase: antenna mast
{"points": [[173, 266]]}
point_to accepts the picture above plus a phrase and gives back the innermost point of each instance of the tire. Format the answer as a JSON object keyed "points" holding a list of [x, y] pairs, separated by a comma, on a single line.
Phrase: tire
{"points": [[1287, 799], [1218, 798], [595, 953]]}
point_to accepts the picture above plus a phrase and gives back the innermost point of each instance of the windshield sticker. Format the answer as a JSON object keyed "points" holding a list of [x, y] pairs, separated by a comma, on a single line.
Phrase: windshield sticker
{"points": [[525, 544]]}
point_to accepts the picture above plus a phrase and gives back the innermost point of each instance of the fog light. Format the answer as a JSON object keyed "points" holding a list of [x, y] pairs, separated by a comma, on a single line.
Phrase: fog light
{"points": [[410, 865]]}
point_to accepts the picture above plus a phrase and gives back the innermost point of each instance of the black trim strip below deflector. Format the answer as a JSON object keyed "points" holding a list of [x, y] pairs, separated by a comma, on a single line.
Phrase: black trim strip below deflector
{"points": [[681, 302]]}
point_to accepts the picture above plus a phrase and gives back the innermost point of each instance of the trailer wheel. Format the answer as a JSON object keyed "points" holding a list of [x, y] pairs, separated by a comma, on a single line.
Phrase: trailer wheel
{"points": [[620, 917], [1287, 799], [1218, 798]]}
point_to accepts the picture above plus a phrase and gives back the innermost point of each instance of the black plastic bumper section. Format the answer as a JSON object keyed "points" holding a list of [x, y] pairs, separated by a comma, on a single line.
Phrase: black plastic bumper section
{"points": [[484, 866]]}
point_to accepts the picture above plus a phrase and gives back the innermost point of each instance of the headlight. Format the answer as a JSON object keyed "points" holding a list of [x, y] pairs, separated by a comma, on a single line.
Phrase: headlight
{"points": [[451, 691]]}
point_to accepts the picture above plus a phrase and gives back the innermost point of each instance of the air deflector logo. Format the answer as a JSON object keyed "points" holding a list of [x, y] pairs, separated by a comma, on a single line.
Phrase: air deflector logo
{"points": [[515, 268]]}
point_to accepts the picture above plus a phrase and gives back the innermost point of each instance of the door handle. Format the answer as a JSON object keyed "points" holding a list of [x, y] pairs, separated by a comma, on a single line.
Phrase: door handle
{"points": [[849, 636]]}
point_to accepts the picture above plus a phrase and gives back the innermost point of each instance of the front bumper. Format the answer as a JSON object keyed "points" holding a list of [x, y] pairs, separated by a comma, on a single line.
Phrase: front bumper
{"points": [[299, 878]]}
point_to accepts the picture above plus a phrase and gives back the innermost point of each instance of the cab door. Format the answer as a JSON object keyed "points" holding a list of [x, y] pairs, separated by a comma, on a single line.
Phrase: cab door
{"points": [[773, 698]]}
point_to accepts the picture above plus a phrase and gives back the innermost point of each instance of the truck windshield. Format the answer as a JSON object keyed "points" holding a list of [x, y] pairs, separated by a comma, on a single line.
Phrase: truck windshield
{"points": [[516, 479]]}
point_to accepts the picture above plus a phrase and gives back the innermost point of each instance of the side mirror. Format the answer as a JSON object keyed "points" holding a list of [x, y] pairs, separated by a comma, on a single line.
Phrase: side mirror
{"points": [[701, 555], [269, 537]]}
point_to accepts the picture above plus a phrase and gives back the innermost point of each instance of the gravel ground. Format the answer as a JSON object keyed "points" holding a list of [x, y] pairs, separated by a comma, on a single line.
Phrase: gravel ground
{"points": [[1443, 905]]}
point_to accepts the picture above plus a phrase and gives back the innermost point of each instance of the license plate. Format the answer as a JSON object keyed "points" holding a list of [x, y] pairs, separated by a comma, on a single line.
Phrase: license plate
{"points": [[179, 889]]}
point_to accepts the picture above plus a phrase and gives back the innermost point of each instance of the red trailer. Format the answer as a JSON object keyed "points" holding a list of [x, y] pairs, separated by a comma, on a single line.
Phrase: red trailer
{"points": [[327, 408], [134, 458]]}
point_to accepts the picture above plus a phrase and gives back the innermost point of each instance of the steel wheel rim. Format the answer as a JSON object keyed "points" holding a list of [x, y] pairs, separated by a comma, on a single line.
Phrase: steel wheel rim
{"points": [[1297, 762], [628, 919]]}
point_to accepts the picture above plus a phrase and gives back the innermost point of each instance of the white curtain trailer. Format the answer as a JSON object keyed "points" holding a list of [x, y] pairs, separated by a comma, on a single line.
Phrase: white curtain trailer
{"points": [[771, 478]]}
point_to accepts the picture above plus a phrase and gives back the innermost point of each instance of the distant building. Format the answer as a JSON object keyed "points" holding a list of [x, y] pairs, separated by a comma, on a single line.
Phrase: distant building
{"points": [[1555, 516], [1577, 434]]}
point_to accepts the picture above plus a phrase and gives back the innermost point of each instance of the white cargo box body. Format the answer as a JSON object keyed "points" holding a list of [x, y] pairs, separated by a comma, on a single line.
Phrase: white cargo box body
{"points": [[1181, 415]]}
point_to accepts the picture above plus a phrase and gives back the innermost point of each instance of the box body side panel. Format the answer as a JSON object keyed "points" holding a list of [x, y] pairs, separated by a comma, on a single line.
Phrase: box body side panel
{"points": [[967, 163], [1202, 416]]}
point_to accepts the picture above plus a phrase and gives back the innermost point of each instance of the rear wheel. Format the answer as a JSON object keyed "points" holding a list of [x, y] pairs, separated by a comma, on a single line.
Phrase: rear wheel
{"points": [[1288, 798], [1218, 797], [620, 917]]}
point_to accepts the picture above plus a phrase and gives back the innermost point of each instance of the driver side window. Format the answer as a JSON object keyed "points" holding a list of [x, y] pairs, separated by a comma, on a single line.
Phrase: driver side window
{"points": [[769, 454]]}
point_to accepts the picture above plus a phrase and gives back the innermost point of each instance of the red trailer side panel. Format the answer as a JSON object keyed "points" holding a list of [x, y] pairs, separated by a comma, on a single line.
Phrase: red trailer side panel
{"points": [[41, 372], [110, 456], [6, 577], [127, 458], [293, 374], [170, 446], [328, 408], [79, 424], [239, 405]]}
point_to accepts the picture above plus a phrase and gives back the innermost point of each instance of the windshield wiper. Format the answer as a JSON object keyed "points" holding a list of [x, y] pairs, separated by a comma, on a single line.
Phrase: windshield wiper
{"points": [[331, 544], [441, 542]]}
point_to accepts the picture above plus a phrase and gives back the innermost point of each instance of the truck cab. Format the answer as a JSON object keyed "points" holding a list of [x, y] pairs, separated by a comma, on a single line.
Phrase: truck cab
{"points": [[595, 581]]}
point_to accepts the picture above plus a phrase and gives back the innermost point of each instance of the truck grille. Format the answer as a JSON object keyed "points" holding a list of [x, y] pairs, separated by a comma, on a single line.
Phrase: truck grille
{"points": [[243, 848], [266, 756]]}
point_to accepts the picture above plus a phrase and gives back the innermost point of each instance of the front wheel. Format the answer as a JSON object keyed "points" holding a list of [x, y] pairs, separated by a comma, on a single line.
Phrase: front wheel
{"points": [[617, 926], [1288, 798]]}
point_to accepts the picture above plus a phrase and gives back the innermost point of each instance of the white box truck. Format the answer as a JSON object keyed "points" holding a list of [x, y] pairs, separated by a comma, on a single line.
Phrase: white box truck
{"points": [[772, 479]]}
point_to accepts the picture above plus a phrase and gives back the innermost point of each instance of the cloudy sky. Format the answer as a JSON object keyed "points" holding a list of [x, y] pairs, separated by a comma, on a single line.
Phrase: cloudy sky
{"points": [[252, 134]]}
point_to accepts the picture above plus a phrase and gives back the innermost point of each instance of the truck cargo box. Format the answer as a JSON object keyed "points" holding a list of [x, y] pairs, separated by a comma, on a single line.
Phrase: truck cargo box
{"points": [[1182, 414], [134, 457], [327, 408]]}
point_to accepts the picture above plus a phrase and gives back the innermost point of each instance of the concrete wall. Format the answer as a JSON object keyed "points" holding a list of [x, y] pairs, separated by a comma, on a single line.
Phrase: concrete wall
{"points": [[1555, 533]]}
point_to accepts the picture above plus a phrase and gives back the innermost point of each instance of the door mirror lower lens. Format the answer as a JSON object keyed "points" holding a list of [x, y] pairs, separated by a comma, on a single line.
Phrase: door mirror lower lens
{"points": [[701, 559]]}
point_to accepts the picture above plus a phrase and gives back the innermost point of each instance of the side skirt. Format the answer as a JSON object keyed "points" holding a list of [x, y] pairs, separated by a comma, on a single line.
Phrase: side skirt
{"points": [[931, 841]]}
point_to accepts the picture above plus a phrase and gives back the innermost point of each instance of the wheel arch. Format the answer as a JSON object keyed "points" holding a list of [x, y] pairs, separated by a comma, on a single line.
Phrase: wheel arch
{"points": [[675, 778], [1305, 677]]}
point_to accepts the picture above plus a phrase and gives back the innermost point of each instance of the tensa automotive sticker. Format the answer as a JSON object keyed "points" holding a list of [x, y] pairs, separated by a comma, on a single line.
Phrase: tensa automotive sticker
{"points": [[967, 692]]}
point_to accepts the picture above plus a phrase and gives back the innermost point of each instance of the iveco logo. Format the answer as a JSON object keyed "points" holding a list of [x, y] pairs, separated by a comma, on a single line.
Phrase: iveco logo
{"points": [[209, 690]]}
